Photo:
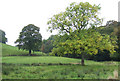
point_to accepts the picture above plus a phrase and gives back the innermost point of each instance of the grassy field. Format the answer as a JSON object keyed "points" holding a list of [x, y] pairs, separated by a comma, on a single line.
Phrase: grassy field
{"points": [[19, 67], [51, 67], [58, 72], [8, 50], [44, 60]]}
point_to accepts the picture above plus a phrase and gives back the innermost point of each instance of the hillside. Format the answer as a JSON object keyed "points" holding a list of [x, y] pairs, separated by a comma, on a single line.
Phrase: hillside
{"points": [[8, 50], [44, 60]]}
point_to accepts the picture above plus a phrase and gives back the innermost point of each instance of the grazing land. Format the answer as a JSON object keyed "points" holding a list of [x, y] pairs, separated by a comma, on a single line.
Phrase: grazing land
{"points": [[8, 50], [15, 66], [49, 67]]}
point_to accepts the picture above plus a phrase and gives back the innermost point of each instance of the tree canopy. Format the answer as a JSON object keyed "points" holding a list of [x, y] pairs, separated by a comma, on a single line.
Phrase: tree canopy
{"points": [[30, 38], [76, 17], [3, 39], [86, 43]]}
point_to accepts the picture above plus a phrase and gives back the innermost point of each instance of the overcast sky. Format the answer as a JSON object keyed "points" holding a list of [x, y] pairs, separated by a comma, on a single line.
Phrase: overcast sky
{"points": [[15, 14]]}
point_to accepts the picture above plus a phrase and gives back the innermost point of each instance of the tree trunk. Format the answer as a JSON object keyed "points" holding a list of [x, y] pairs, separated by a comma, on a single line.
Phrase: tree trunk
{"points": [[82, 61], [30, 52]]}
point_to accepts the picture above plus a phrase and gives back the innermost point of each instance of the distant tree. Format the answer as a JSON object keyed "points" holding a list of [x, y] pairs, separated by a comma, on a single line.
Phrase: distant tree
{"points": [[29, 38], [102, 55], [47, 45], [3, 39], [111, 23], [43, 48], [116, 31], [118, 34], [112, 28]]}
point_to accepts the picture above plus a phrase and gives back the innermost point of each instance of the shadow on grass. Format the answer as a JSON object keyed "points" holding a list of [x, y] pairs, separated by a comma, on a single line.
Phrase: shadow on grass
{"points": [[43, 64]]}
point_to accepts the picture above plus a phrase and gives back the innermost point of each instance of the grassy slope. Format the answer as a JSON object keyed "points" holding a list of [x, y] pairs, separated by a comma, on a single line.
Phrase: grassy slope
{"points": [[46, 60], [43, 59], [11, 50]]}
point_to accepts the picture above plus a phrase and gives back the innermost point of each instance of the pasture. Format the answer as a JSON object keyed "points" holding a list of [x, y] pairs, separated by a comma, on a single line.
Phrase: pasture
{"points": [[49, 67], [8, 50], [15, 66]]}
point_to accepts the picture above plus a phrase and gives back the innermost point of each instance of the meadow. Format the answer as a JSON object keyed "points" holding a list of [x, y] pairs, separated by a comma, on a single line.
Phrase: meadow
{"points": [[44, 68], [52, 67], [8, 50]]}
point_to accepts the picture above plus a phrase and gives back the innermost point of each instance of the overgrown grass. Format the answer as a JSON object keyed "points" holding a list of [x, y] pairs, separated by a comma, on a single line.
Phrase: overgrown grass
{"points": [[8, 50], [58, 72]]}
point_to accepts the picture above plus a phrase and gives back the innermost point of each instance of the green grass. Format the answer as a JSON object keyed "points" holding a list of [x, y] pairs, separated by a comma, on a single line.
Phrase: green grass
{"points": [[49, 59], [44, 59], [8, 50], [36, 59], [49, 67], [58, 72], [91, 70]]}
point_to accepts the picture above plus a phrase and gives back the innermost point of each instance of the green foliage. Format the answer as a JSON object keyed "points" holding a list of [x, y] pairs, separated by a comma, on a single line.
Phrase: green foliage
{"points": [[76, 17], [47, 45], [29, 38], [102, 55], [116, 32], [105, 30], [73, 23], [87, 41], [112, 28], [3, 39]]}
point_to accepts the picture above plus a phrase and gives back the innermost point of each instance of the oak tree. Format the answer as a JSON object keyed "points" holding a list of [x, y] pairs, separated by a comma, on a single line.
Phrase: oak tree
{"points": [[30, 38]]}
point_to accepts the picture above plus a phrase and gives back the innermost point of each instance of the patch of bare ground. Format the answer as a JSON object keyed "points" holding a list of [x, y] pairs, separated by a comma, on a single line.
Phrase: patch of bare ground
{"points": [[115, 73]]}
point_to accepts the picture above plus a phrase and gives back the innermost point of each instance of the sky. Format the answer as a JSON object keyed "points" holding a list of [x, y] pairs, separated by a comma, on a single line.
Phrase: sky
{"points": [[16, 14]]}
